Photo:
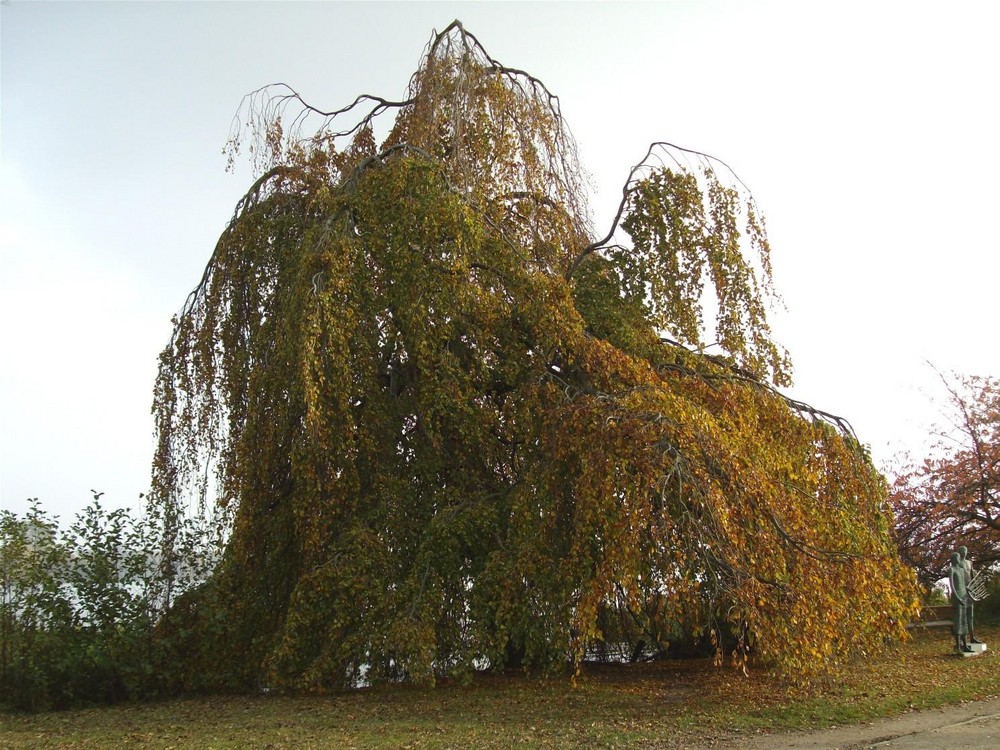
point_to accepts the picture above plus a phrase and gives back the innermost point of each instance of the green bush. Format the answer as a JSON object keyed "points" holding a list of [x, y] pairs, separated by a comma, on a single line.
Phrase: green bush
{"points": [[989, 608], [79, 606]]}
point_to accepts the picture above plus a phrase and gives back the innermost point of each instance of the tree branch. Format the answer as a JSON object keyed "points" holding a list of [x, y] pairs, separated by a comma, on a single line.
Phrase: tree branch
{"points": [[629, 188]]}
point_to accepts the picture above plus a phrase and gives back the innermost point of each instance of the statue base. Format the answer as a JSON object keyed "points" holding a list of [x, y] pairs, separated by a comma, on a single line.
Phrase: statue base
{"points": [[977, 649]]}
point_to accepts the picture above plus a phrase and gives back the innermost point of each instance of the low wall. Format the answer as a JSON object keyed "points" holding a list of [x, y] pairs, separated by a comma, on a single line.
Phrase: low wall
{"points": [[933, 617], [939, 612]]}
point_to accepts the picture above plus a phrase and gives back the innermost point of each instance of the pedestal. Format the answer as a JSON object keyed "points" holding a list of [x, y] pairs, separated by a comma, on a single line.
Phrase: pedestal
{"points": [[977, 649]]}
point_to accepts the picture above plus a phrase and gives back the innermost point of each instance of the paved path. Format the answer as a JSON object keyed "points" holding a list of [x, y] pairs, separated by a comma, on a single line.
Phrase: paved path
{"points": [[968, 726]]}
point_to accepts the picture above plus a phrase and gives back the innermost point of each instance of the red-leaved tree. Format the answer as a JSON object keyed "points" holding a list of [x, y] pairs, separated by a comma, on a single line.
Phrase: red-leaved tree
{"points": [[952, 497]]}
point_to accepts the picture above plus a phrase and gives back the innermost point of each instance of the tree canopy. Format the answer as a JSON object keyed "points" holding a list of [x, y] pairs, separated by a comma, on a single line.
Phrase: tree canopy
{"points": [[952, 497], [453, 428]]}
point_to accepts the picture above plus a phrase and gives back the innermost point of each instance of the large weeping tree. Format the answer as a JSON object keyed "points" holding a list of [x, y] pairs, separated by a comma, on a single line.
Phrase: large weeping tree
{"points": [[452, 427]]}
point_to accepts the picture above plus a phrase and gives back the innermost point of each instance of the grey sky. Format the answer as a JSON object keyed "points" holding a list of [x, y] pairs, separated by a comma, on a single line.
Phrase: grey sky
{"points": [[865, 130]]}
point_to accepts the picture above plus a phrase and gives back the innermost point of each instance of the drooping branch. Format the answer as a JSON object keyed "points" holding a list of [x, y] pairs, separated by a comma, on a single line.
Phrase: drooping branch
{"points": [[734, 373], [628, 189], [267, 105], [689, 257]]}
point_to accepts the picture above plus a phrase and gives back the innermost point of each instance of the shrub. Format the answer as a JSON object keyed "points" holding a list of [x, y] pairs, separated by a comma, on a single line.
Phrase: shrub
{"points": [[79, 606]]}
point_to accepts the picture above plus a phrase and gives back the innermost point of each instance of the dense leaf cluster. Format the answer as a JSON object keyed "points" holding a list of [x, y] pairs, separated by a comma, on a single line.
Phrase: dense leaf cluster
{"points": [[451, 432]]}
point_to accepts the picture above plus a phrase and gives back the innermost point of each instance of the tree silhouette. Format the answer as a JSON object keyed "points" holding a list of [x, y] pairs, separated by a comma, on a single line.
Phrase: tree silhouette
{"points": [[452, 429]]}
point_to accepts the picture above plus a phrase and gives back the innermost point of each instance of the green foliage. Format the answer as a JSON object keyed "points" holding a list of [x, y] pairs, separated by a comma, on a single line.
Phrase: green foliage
{"points": [[989, 607], [450, 434], [79, 605]]}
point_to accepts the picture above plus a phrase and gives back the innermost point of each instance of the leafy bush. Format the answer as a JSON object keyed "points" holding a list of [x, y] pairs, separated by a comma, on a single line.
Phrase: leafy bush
{"points": [[989, 608], [79, 606]]}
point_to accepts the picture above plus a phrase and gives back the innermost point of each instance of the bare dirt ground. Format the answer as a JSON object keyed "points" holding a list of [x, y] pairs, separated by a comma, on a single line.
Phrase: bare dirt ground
{"points": [[968, 726]]}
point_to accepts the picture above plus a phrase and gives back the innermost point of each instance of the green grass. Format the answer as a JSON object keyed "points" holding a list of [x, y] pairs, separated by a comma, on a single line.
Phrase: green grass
{"points": [[649, 706]]}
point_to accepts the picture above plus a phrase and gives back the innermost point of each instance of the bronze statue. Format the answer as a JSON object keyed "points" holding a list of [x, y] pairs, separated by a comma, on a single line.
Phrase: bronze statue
{"points": [[959, 602], [969, 598]]}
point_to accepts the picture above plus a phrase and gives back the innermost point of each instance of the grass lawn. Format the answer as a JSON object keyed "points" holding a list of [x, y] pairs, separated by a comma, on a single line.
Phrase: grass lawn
{"points": [[669, 704]]}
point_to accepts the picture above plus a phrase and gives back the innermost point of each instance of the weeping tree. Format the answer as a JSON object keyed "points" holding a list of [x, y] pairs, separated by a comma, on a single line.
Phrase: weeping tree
{"points": [[452, 427]]}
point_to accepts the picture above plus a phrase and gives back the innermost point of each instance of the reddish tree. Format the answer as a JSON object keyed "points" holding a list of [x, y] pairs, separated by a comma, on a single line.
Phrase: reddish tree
{"points": [[952, 498]]}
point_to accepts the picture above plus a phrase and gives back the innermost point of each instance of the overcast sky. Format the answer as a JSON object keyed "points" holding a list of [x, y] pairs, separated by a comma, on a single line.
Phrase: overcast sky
{"points": [[867, 132]]}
